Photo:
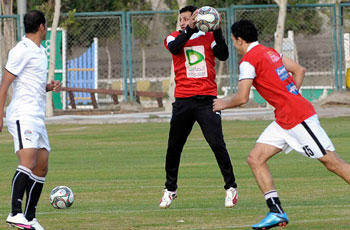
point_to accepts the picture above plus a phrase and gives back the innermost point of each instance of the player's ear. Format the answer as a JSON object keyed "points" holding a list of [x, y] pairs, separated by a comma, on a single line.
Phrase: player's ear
{"points": [[42, 27], [240, 40]]}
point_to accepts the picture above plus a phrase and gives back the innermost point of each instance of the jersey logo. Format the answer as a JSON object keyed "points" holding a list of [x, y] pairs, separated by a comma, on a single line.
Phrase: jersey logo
{"points": [[282, 73], [196, 66], [272, 56], [292, 89], [194, 57]]}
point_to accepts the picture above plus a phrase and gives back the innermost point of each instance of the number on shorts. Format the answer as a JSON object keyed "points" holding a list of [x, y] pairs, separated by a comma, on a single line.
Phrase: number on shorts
{"points": [[308, 151]]}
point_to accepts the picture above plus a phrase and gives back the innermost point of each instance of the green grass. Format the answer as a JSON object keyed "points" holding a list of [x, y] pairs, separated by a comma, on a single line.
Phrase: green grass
{"points": [[117, 175]]}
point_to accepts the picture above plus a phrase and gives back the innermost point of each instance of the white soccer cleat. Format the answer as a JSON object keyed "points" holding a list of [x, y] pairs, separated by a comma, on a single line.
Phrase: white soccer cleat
{"points": [[231, 197], [35, 224], [168, 197], [19, 221]]}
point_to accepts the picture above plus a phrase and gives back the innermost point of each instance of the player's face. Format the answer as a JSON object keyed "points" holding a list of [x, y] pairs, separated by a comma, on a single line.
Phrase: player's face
{"points": [[185, 18], [43, 30]]}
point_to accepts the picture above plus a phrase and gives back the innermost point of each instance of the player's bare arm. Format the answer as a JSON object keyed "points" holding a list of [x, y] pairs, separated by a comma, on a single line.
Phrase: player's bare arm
{"points": [[54, 86], [6, 81], [297, 71], [239, 98]]}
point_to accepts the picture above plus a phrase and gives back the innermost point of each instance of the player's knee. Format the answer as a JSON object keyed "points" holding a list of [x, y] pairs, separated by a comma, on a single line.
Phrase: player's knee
{"points": [[253, 161], [41, 170]]}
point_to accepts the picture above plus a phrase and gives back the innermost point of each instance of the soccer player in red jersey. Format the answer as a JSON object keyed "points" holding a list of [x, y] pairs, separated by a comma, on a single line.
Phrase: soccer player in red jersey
{"points": [[193, 54], [296, 126]]}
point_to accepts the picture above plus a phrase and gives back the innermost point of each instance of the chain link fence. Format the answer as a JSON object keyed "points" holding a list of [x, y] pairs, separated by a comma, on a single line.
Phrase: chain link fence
{"points": [[9, 34], [106, 29], [308, 39], [345, 33], [130, 53]]}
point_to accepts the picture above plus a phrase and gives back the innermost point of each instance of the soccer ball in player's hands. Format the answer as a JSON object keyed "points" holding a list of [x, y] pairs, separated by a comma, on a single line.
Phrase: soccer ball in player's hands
{"points": [[208, 19], [61, 197]]}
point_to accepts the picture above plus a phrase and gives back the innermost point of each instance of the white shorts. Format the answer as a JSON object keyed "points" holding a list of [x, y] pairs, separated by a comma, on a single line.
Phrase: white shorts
{"points": [[307, 138], [28, 135]]}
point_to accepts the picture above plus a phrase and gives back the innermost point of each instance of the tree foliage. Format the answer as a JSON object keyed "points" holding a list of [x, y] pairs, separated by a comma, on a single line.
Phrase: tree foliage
{"points": [[97, 5]]}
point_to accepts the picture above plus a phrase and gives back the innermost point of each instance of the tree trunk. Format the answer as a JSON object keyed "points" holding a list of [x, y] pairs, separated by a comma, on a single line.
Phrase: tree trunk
{"points": [[9, 26], [49, 104], [171, 90], [280, 24], [109, 72]]}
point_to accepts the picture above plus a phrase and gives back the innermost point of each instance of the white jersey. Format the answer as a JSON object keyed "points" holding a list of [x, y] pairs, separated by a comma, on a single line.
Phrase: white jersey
{"points": [[28, 63]]}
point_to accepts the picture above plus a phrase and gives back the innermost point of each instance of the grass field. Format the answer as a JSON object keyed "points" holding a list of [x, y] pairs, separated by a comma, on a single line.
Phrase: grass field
{"points": [[117, 174]]}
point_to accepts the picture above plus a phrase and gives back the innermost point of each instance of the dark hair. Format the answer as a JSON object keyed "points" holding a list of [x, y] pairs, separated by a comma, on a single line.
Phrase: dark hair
{"points": [[32, 21], [246, 30], [188, 9]]}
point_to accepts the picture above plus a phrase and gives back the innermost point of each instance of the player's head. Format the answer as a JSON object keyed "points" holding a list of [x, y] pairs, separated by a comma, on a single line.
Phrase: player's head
{"points": [[34, 21], [185, 15], [243, 32]]}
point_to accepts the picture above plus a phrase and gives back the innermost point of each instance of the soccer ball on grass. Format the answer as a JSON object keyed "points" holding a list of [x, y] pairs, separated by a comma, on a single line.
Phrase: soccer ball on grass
{"points": [[208, 19], [61, 197]]}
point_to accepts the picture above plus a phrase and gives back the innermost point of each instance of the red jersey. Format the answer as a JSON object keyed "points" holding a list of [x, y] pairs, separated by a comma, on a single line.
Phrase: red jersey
{"points": [[277, 87], [194, 65]]}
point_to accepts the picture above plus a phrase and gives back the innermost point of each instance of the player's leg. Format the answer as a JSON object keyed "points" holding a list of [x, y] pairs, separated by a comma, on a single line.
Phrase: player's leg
{"points": [[37, 178], [180, 127], [35, 185], [335, 164], [26, 159], [269, 144], [257, 161], [210, 123], [313, 142], [25, 149]]}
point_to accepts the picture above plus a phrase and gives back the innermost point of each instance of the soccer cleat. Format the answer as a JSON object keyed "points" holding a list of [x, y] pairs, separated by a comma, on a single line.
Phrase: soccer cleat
{"points": [[35, 224], [19, 221], [231, 197], [168, 197], [272, 220]]}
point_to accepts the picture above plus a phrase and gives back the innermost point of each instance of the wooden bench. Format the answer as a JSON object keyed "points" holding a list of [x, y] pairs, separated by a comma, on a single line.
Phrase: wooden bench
{"points": [[114, 94]]}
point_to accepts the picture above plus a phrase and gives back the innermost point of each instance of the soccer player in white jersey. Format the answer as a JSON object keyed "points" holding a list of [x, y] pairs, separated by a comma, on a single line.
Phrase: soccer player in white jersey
{"points": [[26, 70]]}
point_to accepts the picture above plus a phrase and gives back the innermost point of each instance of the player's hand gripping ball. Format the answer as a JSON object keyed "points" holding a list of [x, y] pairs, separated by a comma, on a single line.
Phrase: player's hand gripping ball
{"points": [[208, 19], [61, 197]]}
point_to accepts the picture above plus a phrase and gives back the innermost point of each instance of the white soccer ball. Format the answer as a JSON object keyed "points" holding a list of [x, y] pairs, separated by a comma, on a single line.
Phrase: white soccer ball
{"points": [[208, 19], [61, 197]]}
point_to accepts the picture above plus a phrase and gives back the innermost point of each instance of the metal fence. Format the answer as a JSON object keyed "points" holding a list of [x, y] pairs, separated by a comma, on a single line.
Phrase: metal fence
{"points": [[109, 29], [132, 57], [309, 39], [344, 44], [9, 34]]}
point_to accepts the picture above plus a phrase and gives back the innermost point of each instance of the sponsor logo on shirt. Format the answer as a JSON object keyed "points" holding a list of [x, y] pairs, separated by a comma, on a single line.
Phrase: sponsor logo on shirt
{"points": [[196, 66], [292, 89], [282, 73], [273, 57]]}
